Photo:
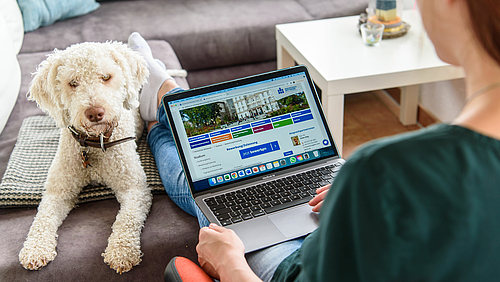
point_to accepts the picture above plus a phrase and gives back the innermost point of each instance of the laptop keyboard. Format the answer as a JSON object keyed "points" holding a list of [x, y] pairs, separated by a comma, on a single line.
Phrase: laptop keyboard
{"points": [[273, 196]]}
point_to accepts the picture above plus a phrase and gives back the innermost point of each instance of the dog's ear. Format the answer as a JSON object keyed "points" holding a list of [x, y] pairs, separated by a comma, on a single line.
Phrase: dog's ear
{"points": [[135, 72], [43, 89]]}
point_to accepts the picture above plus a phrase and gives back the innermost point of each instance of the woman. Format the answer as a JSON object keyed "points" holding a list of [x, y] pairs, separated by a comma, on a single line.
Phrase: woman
{"points": [[419, 206]]}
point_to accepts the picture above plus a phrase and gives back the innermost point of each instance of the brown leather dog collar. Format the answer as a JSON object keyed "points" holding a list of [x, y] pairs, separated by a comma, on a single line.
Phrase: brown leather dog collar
{"points": [[102, 141]]}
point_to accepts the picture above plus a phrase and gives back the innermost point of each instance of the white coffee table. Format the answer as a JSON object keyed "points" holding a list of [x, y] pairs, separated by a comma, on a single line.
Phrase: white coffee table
{"points": [[340, 63]]}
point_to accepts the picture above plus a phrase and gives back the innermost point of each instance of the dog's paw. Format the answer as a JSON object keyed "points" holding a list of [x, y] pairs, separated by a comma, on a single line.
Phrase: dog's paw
{"points": [[35, 256], [122, 258]]}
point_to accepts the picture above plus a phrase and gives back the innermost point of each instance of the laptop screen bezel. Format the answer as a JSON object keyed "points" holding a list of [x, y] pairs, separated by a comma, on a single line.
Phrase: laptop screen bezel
{"points": [[237, 83]]}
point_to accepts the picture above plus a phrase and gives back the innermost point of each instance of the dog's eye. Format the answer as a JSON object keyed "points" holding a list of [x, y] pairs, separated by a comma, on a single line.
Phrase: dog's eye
{"points": [[106, 77], [73, 83]]}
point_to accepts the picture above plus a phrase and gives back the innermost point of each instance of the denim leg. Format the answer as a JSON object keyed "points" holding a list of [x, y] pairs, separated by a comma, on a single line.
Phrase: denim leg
{"points": [[265, 262], [163, 148]]}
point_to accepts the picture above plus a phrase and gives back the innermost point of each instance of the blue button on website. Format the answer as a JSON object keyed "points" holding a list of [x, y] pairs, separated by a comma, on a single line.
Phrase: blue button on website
{"points": [[259, 150]]}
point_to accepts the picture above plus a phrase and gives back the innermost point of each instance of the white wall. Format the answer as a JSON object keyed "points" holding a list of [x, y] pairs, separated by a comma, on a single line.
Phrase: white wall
{"points": [[443, 99]]}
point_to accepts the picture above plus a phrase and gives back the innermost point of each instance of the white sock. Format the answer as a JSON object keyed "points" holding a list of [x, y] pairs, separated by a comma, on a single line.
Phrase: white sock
{"points": [[157, 75], [161, 64]]}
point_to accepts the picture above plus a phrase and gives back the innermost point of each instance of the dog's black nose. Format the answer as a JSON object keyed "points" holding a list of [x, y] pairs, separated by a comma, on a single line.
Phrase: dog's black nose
{"points": [[95, 114]]}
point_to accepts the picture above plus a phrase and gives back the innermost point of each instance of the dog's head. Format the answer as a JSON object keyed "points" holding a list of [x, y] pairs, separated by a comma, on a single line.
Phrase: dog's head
{"points": [[88, 85]]}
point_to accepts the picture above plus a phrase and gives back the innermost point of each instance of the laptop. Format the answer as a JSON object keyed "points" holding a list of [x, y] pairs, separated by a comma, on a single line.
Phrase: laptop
{"points": [[254, 151]]}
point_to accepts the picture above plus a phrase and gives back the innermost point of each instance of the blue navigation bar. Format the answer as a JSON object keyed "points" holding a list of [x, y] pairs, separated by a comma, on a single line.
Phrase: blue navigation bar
{"points": [[262, 122], [200, 143], [199, 137], [219, 133], [241, 127], [259, 150], [301, 113], [302, 118], [275, 119]]}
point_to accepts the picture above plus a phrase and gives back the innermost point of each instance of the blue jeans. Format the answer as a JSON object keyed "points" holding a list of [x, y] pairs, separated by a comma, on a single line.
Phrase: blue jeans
{"points": [[263, 262], [172, 176]]}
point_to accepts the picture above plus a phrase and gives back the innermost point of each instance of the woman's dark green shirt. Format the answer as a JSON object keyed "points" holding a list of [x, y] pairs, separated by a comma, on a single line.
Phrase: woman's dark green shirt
{"points": [[423, 206]]}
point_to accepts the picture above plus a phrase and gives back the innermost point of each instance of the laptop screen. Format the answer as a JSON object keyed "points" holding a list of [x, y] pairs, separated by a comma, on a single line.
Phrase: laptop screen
{"points": [[249, 129]]}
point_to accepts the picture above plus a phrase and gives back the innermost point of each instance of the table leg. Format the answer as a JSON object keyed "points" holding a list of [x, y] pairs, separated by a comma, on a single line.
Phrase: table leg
{"points": [[409, 104], [333, 106], [284, 60]]}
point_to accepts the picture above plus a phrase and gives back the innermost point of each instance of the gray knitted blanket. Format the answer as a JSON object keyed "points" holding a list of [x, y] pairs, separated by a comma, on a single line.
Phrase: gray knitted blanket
{"points": [[23, 182]]}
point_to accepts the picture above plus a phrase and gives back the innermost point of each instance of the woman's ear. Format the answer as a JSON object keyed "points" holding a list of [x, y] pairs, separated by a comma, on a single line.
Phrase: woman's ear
{"points": [[135, 72], [43, 89]]}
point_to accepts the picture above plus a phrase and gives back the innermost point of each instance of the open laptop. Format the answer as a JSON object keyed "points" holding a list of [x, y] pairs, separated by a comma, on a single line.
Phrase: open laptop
{"points": [[254, 151]]}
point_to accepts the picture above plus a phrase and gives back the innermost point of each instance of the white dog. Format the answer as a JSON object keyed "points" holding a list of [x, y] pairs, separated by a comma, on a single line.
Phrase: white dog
{"points": [[91, 90]]}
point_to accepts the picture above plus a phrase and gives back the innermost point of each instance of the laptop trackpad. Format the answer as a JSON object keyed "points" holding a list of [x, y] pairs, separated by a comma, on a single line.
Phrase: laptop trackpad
{"points": [[257, 233], [296, 221]]}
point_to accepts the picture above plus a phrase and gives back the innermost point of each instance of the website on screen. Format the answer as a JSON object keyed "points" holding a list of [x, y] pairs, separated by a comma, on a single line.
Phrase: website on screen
{"points": [[243, 131]]}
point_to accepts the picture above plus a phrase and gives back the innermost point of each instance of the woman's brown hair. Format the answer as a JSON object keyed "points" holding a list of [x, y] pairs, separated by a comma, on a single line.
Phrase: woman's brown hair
{"points": [[485, 20]]}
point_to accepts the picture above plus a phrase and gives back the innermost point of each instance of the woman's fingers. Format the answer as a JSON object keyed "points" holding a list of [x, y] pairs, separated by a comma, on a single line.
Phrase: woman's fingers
{"points": [[324, 188], [216, 227], [317, 201], [317, 207], [321, 195]]}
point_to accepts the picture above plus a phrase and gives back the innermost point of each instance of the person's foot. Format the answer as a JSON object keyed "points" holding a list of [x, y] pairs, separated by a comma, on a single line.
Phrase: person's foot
{"points": [[157, 76], [161, 64]]}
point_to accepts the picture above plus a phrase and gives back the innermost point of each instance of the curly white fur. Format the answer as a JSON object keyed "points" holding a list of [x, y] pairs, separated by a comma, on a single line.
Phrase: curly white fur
{"points": [[88, 75]]}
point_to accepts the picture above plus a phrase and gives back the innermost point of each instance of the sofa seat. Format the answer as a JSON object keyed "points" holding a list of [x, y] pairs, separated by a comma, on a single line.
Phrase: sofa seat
{"points": [[83, 236]]}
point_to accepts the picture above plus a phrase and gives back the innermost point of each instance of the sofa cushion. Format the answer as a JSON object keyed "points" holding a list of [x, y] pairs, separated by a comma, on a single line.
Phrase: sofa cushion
{"points": [[42, 13], [10, 73], [13, 18], [204, 33]]}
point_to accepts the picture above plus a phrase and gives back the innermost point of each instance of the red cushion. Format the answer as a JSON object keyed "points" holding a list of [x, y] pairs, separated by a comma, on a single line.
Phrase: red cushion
{"points": [[183, 269]]}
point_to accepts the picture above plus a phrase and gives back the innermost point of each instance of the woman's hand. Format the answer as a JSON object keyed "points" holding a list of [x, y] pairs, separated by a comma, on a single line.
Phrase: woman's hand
{"points": [[318, 200], [221, 254]]}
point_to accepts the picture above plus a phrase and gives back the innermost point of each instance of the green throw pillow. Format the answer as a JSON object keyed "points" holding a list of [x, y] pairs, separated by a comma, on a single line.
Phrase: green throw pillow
{"points": [[37, 13]]}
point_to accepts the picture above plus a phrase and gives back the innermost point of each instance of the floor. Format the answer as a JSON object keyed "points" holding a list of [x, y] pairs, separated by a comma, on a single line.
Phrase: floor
{"points": [[366, 118]]}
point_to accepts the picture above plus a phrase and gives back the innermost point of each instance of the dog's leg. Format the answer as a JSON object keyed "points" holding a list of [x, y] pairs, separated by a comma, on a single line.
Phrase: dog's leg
{"points": [[62, 188], [131, 190]]}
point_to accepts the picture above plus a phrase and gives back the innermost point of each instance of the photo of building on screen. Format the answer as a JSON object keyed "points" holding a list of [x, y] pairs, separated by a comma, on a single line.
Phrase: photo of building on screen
{"points": [[239, 110]]}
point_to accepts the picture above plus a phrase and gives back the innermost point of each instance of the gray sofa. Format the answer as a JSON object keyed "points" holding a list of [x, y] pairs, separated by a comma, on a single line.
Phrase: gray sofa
{"points": [[215, 40]]}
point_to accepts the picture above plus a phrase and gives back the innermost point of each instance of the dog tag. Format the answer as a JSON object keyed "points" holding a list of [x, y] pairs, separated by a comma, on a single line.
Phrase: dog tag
{"points": [[85, 159]]}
